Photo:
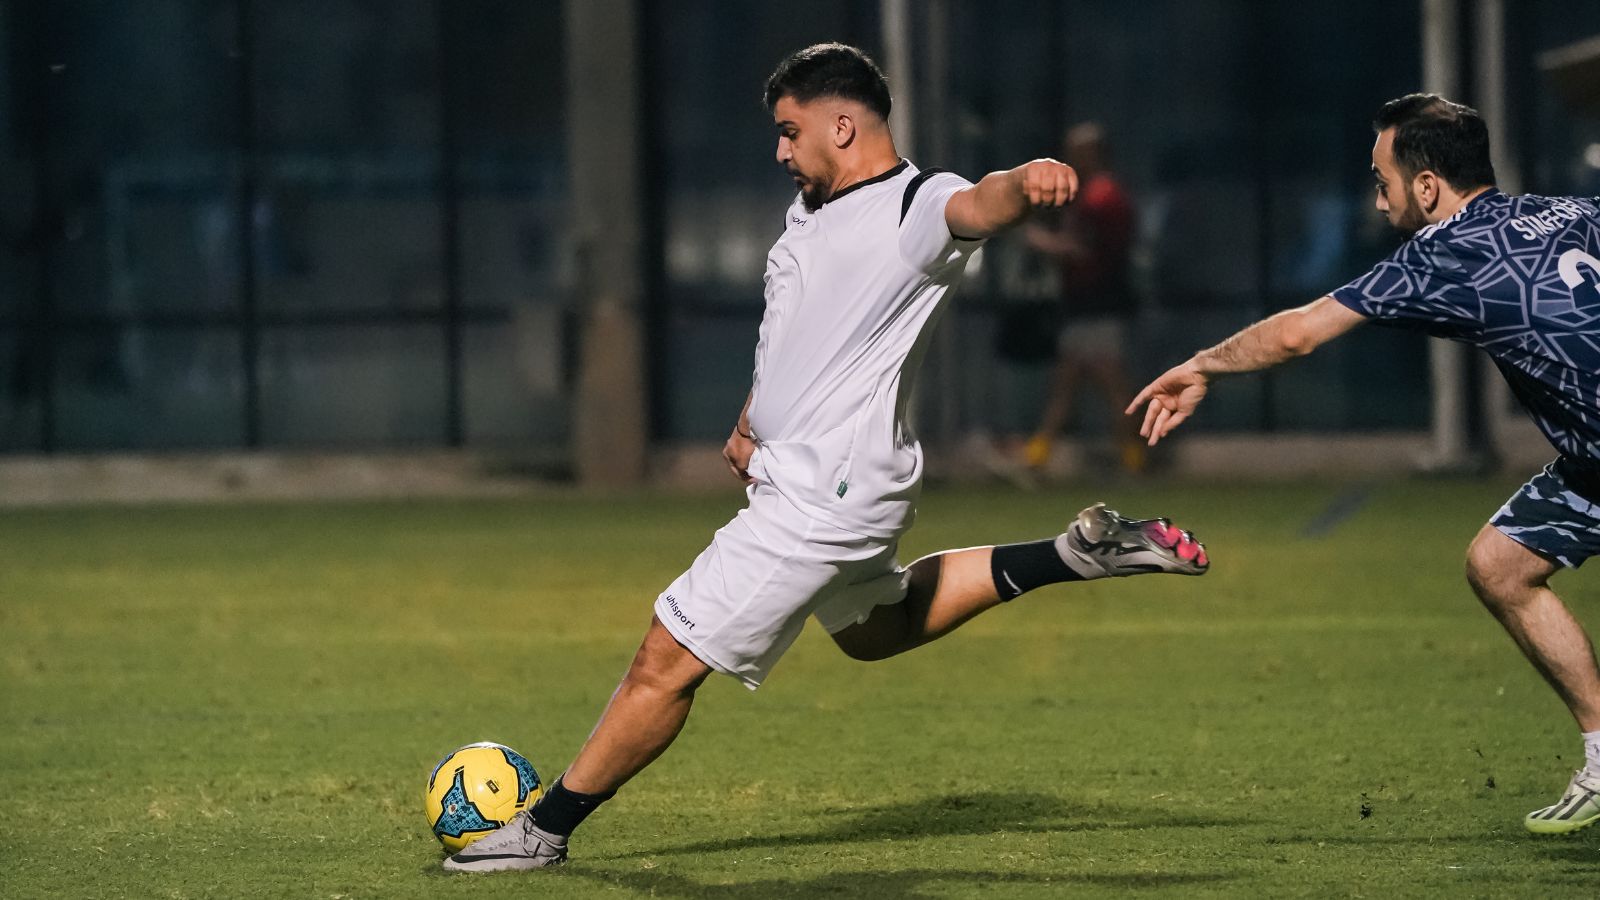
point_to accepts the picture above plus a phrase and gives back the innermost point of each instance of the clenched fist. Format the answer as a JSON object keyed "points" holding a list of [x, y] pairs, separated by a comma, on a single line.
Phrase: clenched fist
{"points": [[1047, 183]]}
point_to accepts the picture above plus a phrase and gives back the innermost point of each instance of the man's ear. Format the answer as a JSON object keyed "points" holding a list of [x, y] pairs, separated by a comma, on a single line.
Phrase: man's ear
{"points": [[844, 130], [1425, 187]]}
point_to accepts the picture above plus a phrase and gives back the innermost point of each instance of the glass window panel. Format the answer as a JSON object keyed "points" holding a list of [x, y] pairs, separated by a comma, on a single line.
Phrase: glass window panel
{"points": [[508, 84], [319, 248], [353, 386], [19, 263], [146, 389], [516, 381], [1559, 137], [717, 355], [507, 72], [20, 228], [21, 391], [507, 87], [514, 250], [348, 212], [177, 245], [139, 166]]}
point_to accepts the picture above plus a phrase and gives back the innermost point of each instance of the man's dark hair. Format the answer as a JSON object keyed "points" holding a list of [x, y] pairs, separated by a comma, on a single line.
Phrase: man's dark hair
{"points": [[1436, 135], [830, 70]]}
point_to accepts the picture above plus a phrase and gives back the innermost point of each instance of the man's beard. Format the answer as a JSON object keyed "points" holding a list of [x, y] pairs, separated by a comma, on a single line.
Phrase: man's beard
{"points": [[811, 196], [1411, 219], [813, 191]]}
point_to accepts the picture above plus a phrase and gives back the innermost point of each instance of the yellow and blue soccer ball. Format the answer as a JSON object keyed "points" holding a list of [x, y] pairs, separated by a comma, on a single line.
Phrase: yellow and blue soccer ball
{"points": [[476, 789]]}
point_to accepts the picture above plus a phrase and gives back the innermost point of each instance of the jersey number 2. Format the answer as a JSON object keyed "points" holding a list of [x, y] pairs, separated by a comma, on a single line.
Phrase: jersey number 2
{"points": [[1568, 264]]}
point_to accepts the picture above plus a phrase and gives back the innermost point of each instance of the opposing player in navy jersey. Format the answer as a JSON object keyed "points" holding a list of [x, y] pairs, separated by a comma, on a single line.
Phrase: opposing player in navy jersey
{"points": [[1519, 277], [871, 247]]}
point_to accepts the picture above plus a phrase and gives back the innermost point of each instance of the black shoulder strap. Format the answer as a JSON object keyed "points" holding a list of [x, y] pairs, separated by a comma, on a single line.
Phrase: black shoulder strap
{"points": [[911, 190]]}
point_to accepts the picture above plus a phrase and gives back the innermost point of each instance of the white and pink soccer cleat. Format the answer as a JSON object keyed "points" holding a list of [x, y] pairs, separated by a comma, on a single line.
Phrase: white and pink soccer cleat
{"points": [[1100, 543]]}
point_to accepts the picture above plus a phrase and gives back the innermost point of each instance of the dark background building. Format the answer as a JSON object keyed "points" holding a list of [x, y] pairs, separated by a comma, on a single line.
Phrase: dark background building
{"points": [[347, 224]]}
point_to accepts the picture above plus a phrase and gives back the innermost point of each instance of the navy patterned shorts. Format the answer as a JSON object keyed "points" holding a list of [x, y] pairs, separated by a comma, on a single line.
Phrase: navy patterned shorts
{"points": [[1552, 519]]}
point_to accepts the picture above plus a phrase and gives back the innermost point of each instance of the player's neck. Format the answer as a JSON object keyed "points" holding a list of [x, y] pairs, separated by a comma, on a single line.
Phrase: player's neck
{"points": [[867, 167], [1452, 203]]}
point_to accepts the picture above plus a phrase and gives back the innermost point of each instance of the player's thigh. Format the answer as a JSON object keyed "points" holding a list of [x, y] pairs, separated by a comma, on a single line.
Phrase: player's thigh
{"points": [[747, 596], [1547, 518], [866, 614], [1499, 566]]}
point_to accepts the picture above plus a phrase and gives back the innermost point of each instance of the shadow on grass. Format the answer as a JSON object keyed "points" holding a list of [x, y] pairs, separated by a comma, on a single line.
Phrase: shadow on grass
{"points": [[1389, 840], [1577, 854], [962, 814], [1571, 859], [906, 884], [959, 814]]}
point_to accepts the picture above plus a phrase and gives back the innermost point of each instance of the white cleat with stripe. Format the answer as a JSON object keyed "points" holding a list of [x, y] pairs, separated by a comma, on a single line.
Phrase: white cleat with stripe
{"points": [[1579, 807], [519, 844]]}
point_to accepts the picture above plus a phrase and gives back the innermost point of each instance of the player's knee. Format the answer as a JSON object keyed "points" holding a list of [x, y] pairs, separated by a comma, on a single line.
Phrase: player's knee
{"points": [[1497, 581], [655, 677], [1480, 573], [663, 665]]}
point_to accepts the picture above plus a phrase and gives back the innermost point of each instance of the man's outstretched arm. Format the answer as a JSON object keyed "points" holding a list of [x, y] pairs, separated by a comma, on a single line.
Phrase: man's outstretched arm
{"points": [[1001, 199], [1279, 338]]}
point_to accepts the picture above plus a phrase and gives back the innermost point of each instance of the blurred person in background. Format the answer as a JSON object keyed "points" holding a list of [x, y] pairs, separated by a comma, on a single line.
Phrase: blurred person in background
{"points": [[1090, 243], [870, 250], [1518, 276]]}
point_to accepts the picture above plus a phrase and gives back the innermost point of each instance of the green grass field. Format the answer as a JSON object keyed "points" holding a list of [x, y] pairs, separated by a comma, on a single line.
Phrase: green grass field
{"points": [[245, 701]]}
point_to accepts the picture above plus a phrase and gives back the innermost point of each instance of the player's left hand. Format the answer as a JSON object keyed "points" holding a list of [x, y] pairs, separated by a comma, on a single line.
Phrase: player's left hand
{"points": [[1048, 183], [1171, 398], [736, 453]]}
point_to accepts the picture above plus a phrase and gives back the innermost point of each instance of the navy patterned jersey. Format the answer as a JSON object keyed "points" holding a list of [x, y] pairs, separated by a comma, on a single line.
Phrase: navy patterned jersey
{"points": [[1519, 277]]}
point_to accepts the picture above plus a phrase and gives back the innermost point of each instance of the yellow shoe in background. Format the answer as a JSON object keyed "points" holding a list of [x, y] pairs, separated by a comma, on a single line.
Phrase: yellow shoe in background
{"points": [[1036, 453], [1135, 456]]}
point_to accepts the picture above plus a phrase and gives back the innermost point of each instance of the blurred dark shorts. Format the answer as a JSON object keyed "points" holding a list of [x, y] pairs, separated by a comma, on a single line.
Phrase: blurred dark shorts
{"points": [[1554, 514]]}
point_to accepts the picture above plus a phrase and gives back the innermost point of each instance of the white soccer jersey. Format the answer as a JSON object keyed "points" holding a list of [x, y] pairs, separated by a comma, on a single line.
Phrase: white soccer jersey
{"points": [[852, 293]]}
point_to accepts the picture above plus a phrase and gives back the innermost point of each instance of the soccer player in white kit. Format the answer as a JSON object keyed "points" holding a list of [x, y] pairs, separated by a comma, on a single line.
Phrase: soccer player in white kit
{"points": [[870, 248]]}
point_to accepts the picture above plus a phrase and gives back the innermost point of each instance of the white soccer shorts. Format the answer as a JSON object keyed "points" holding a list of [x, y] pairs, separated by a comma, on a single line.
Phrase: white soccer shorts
{"points": [[747, 596]]}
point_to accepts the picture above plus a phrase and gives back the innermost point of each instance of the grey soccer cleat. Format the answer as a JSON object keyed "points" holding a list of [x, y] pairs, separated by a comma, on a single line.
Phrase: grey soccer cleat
{"points": [[1101, 543], [518, 844], [1578, 808]]}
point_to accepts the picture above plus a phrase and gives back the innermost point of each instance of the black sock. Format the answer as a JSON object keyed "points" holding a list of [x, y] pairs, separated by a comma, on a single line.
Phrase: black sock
{"points": [[560, 811], [1019, 568]]}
